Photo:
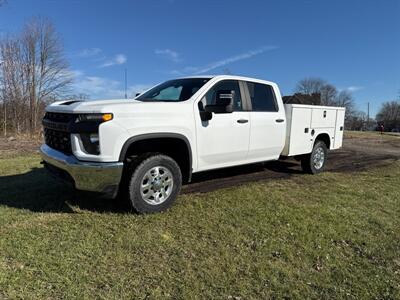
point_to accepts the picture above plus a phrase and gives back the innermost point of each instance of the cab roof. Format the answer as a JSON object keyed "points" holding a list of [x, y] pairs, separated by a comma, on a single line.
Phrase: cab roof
{"points": [[230, 77]]}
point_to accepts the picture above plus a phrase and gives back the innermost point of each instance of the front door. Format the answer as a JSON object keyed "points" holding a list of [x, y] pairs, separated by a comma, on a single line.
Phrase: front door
{"points": [[224, 140]]}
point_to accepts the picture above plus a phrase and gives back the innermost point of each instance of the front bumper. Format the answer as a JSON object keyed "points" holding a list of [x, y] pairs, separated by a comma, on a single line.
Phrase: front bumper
{"points": [[103, 177]]}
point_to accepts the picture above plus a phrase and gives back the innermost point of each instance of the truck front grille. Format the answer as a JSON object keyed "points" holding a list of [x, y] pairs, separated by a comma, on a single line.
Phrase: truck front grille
{"points": [[58, 140], [56, 133]]}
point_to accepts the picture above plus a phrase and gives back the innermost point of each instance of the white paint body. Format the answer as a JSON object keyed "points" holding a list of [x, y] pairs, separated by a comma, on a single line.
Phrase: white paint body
{"points": [[222, 142], [312, 118]]}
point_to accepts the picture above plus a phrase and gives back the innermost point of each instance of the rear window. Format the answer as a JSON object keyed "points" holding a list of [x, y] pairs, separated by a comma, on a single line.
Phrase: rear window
{"points": [[262, 97]]}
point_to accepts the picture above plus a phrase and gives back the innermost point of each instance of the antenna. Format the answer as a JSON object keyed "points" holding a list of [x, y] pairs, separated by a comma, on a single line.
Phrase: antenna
{"points": [[126, 83]]}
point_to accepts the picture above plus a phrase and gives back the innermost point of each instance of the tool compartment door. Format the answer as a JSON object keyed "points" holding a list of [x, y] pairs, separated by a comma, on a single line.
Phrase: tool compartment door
{"points": [[298, 139], [323, 117], [339, 128]]}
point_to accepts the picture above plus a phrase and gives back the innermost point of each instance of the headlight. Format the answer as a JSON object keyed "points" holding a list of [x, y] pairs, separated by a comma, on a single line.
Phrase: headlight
{"points": [[99, 118], [87, 126]]}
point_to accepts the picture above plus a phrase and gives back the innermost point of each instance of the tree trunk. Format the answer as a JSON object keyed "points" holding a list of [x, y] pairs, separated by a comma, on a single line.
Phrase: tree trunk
{"points": [[5, 120]]}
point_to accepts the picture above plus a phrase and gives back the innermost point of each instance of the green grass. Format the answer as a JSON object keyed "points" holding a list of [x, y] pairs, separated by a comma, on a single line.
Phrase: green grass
{"points": [[371, 135], [335, 235]]}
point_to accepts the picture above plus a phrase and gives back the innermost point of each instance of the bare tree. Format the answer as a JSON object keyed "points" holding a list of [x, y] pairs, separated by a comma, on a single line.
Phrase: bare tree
{"points": [[309, 86], [345, 99], [329, 94], [356, 121], [13, 91], [33, 72], [317, 86], [389, 115], [46, 69], [317, 91]]}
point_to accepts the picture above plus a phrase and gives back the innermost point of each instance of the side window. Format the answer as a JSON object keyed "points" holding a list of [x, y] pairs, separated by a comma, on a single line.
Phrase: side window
{"points": [[232, 85], [262, 97]]}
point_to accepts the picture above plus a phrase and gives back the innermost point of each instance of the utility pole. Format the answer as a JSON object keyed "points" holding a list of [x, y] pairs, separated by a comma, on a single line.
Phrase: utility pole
{"points": [[368, 117], [126, 83]]}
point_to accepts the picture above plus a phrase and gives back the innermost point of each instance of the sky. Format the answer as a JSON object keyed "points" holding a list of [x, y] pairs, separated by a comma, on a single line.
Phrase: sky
{"points": [[353, 44]]}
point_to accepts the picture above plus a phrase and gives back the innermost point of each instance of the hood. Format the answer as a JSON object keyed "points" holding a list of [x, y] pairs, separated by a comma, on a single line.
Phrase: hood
{"points": [[121, 106], [97, 106]]}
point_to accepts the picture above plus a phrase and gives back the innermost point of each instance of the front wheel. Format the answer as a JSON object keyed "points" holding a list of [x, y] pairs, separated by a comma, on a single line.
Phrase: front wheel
{"points": [[154, 183], [314, 162]]}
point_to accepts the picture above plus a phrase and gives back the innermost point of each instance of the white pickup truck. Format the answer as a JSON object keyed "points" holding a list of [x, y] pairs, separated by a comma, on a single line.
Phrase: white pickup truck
{"points": [[146, 147]]}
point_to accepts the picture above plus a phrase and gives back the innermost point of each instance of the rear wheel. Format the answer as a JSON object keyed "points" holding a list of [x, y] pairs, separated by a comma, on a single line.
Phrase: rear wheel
{"points": [[314, 162], [155, 182]]}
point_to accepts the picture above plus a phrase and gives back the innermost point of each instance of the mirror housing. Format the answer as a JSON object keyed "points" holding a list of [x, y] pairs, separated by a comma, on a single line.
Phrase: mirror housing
{"points": [[205, 115], [223, 102]]}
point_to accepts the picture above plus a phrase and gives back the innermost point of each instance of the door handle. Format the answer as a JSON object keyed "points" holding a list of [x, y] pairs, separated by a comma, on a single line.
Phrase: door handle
{"points": [[242, 121], [279, 120]]}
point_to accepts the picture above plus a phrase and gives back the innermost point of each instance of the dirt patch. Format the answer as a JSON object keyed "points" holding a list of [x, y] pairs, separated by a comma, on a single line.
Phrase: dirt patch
{"points": [[14, 146], [358, 153]]}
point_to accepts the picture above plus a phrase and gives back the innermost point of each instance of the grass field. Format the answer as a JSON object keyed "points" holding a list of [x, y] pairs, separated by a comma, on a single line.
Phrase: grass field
{"points": [[372, 134], [335, 235]]}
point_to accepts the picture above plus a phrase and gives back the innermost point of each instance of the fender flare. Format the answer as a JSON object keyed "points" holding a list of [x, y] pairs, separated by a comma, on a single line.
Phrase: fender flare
{"points": [[160, 135]]}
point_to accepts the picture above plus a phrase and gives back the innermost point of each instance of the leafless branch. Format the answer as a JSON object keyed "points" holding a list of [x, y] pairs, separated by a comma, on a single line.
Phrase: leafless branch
{"points": [[33, 71]]}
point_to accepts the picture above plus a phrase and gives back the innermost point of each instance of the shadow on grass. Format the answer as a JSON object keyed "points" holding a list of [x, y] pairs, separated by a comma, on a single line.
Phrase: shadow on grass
{"points": [[37, 191], [272, 168]]}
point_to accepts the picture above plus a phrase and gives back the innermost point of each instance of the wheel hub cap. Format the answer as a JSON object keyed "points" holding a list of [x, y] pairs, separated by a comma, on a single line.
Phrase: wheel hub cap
{"points": [[318, 158], [156, 185]]}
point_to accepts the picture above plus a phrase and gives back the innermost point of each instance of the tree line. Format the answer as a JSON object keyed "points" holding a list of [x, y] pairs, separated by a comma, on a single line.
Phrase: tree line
{"points": [[34, 72], [316, 91], [389, 116]]}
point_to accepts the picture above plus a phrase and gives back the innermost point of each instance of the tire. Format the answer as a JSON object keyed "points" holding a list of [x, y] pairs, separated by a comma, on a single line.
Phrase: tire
{"points": [[314, 162], [154, 183]]}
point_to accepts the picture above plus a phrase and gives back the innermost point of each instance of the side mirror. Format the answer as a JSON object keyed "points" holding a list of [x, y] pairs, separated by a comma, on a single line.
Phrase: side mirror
{"points": [[223, 102], [204, 115], [137, 94]]}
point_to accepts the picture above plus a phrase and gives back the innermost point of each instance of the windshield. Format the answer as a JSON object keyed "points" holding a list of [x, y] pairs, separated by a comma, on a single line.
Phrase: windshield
{"points": [[174, 90]]}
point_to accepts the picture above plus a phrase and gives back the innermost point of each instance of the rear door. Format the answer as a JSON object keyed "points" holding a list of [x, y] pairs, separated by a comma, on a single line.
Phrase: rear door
{"points": [[224, 140], [268, 125]]}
